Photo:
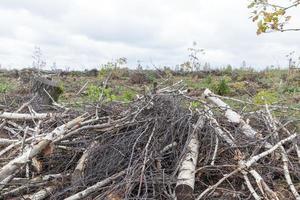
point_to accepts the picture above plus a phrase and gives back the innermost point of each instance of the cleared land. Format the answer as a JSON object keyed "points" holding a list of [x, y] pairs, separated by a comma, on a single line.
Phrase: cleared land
{"points": [[150, 134]]}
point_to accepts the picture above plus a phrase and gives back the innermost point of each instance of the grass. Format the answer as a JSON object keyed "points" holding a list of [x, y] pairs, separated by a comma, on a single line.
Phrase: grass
{"points": [[270, 86]]}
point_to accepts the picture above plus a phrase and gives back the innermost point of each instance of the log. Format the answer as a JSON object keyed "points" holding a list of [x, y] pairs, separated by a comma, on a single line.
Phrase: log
{"points": [[233, 116], [33, 151], [186, 176], [25, 116]]}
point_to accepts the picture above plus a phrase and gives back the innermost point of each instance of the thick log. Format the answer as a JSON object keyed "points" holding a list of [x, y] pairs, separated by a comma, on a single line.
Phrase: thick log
{"points": [[186, 177]]}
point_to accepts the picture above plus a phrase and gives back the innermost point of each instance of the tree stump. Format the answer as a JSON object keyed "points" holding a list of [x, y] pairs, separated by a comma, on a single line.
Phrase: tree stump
{"points": [[42, 84]]}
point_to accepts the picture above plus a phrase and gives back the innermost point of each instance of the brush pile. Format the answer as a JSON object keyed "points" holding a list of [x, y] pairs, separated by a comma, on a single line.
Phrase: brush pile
{"points": [[163, 145]]}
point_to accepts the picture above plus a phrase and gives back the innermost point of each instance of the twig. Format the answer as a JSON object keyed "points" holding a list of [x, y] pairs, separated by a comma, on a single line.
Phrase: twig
{"points": [[215, 151], [82, 88], [96, 187]]}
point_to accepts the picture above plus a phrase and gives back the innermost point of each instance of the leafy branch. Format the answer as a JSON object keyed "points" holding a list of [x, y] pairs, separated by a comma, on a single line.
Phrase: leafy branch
{"points": [[272, 16]]}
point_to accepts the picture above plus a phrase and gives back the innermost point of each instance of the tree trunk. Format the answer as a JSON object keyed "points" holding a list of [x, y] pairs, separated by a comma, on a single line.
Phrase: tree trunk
{"points": [[186, 177], [40, 85]]}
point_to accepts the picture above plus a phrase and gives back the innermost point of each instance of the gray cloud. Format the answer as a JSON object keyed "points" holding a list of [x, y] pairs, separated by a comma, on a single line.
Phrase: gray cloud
{"points": [[48, 8], [90, 32]]}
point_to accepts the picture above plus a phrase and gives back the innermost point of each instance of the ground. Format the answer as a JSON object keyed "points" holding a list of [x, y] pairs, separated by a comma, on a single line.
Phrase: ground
{"points": [[269, 86]]}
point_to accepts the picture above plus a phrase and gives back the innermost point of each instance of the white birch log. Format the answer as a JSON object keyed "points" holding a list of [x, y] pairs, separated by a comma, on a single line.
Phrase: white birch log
{"points": [[96, 187], [233, 116], [25, 116], [218, 130], [186, 176], [34, 150], [4, 141], [287, 175]]}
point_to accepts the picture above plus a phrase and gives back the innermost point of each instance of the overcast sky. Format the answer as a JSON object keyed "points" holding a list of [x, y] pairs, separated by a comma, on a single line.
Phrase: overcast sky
{"points": [[87, 33]]}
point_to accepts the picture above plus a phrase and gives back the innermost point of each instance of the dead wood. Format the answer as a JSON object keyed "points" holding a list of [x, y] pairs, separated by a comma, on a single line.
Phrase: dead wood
{"points": [[160, 146]]}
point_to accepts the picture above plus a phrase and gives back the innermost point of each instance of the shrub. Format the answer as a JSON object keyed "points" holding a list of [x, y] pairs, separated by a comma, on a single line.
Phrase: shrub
{"points": [[128, 95], [93, 92], [265, 97], [103, 72], [228, 70], [108, 93], [221, 88]]}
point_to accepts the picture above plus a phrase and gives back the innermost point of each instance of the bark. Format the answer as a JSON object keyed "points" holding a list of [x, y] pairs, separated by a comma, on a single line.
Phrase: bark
{"points": [[42, 84], [186, 176], [24, 116], [233, 116]]}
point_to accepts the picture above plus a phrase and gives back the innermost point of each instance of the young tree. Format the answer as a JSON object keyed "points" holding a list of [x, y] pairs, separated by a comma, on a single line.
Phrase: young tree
{"points": [[194, 57], [38, 60], [272, 15]]}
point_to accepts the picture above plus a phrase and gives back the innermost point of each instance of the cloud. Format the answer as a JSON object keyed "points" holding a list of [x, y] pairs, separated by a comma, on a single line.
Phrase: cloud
{"points": [[87, 33], [48, 8]]}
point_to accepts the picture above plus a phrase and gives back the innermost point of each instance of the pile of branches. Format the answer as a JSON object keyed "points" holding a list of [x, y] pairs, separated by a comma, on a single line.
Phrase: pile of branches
{"points": [[163, 145]]}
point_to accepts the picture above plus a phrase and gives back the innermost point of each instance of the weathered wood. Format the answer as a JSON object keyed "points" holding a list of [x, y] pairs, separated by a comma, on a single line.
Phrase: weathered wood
{"points": [[34, 150], [79, 169], [233, 116], [42, 194], [25, 116], [40, 84]]}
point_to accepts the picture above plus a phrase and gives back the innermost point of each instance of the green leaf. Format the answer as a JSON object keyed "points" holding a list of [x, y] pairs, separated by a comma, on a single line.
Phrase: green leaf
{"points": [[251, 5]]}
